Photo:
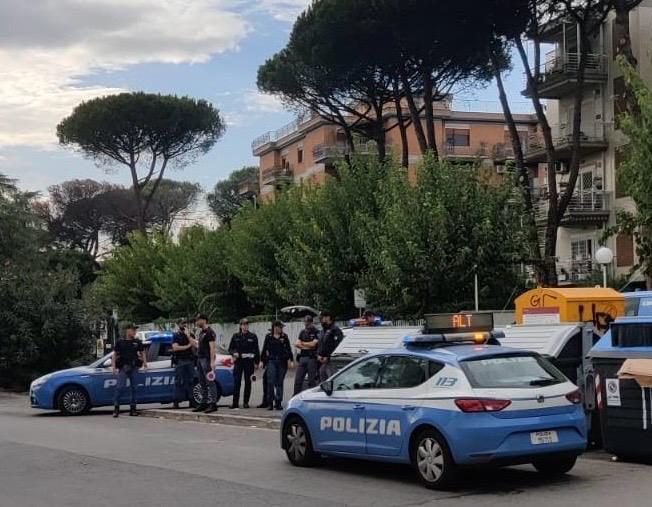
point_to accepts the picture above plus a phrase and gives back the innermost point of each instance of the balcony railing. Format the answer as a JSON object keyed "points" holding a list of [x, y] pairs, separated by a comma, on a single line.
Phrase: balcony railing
{"points": [[274, 135], [277, 175], [336, 151], [502, 151], [466, 151], [559, 73], [592, 139], [585, 206]]}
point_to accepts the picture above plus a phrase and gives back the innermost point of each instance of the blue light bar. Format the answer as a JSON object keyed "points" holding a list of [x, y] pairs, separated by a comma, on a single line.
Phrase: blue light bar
{"points": [[424, 339]]}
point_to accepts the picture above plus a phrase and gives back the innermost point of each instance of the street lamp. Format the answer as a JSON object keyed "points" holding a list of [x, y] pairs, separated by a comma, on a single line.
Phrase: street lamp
{"points": [[604, 256]]}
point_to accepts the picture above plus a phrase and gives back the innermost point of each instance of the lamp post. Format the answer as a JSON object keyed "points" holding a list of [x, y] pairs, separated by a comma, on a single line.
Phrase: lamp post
{"points": [[604, 256]]}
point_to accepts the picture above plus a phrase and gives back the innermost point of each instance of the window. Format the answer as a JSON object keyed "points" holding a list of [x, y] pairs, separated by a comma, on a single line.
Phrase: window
{"points": [[405, 372], [624, 251], [582, 250], [458, 137], [363, 375], [300, 155], [619, 160], [512, 371]]}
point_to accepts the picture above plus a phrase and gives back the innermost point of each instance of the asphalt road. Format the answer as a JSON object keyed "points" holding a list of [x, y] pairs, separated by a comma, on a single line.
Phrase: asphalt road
{"points": [[49, 460]]}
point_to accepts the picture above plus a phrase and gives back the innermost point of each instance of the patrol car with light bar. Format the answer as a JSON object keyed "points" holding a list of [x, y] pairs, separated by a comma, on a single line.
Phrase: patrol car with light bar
{"points": [[77, 390], [451, 397]]}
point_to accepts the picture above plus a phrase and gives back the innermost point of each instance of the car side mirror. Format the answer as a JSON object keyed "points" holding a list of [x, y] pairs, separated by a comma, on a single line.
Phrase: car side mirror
{"points": [[107, 363], [327, 387]]}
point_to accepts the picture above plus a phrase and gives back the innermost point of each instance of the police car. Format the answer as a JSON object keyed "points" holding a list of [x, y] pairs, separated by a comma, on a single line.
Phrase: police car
{"points": [[77, 390], [444, 400]]}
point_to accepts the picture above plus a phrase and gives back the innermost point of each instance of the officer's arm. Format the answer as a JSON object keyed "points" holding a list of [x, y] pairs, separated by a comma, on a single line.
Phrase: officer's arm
{"points": [[212, 354], [232, 345], [114, 361], [256, 351]]}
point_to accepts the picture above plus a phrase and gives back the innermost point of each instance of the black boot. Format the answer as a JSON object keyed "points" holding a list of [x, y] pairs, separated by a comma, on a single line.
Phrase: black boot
{"points": [[133, 412], [199, 408], [211, 408], [116, 412], [264, 404], [175, 405], [246, 405]]}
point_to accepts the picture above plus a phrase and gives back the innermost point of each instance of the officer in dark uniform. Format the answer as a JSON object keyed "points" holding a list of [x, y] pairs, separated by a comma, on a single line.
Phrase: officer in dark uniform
{"points": [[331, 337], [246, 359], [128, 357], [184, 365], [277, 354], [307, 357], [206, 363]]}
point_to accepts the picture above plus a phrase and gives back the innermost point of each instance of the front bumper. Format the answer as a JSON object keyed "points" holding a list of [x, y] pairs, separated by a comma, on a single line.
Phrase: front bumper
{"points": [[41, 397]]}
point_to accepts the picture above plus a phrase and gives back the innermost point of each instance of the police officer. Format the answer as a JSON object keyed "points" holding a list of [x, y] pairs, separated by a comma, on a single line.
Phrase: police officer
{"points": [[246, 359], [277, 354], [184, 365], [206, 363], [128, 357], [307, 357], [330, 338]]}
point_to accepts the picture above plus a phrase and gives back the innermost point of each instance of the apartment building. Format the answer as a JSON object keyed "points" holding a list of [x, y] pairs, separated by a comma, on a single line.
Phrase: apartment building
{"points": [[307, 150], [598, 195]]}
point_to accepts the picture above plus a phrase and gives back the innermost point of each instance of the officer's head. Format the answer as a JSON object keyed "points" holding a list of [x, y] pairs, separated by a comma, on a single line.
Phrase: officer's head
{"points": [[308, 321], [201, 320], [369, 318], [244, 326], [277, 327], [130, 330], [326, 318]]}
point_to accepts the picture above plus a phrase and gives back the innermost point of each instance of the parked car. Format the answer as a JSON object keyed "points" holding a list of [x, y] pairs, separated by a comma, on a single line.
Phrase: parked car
{"points": [[77, 390]]}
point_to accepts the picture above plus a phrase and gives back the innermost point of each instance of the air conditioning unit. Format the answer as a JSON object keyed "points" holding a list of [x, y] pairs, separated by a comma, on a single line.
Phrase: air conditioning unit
{"points": [[501, 168], [561, 167]]}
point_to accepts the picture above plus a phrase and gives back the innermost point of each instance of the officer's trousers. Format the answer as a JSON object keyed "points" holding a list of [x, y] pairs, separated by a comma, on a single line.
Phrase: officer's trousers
{"points": [[130, 373], [307, 365], [242, 367]]}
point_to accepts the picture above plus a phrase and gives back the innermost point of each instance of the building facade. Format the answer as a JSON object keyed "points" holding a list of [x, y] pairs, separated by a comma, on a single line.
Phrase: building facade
{"points": [[598, 194], [307, 150]]}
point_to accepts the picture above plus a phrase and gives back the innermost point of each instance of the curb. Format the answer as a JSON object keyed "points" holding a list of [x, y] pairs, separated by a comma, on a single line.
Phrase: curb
{"points": [[217, 418]]}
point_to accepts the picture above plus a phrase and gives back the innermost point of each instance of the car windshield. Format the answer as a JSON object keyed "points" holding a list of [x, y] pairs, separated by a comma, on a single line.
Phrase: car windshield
{"points": [[512, 371]]}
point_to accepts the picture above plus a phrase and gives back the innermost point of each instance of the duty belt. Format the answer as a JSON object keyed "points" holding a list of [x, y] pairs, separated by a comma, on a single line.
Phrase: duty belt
{"points": [[247, 356]]}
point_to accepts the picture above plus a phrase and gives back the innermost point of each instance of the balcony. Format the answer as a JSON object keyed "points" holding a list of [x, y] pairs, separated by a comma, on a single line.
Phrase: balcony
{"points": [[592, 140], [558, 75], [277, 176], [248, 188], [332, 152], [503, 151], [453, 152], [587, 207], [572, 271]]}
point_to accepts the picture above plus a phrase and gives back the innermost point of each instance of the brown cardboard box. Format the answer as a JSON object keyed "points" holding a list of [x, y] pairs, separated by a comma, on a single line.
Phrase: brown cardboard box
{"points": [[639, 370]]}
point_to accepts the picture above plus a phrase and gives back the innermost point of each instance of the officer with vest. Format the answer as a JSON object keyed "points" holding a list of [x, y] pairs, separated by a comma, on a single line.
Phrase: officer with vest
{"points": [[331, 336], [307, 356], [184, 365], [246, 359], [128, 357]]}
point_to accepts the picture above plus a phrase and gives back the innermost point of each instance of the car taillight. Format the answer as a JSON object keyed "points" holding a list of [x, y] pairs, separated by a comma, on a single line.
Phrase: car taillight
{"points": [[481, 405], [227, 362], [575, 397]]}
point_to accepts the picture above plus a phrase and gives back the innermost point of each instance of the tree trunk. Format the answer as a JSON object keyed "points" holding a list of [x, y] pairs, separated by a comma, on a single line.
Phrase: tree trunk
{"points": [[379, 132], [624, 48], [140, 218], [405, 151], [415, 113], [429, 112], [524, 179]]}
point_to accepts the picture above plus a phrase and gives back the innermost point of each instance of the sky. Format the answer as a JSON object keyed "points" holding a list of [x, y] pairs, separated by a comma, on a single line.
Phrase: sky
{"points": [[56, 53]]}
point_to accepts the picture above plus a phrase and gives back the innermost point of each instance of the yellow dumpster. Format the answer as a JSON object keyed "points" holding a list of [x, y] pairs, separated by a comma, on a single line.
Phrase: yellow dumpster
{"points": [[556, 305]]}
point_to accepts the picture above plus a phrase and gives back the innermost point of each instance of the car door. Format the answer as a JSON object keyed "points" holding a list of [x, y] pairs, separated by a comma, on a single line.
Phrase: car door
{"points": [[103, 382], [391, 407], [337, 422], [156, 384]]}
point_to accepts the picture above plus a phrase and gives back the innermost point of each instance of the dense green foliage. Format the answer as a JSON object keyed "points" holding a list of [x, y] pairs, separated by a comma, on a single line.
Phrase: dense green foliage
{"points": [[227, 199], [44, 322], [412, 246]]}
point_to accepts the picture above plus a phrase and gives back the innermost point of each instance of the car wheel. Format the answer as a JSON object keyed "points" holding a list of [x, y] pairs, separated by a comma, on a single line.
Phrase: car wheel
{"points": [[74, 401], [432, 460], [297, 443], [555, 466], [196, 393]]}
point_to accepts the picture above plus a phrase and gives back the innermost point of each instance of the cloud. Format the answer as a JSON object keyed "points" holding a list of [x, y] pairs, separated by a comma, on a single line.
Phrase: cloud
{"points": [[262, 102], [49, 46], [283, 10]]}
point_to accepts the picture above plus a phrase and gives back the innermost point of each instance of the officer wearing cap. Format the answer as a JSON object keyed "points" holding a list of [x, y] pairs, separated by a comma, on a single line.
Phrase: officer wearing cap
{"points": [[277, 355], [307, 358], [246, 358], [206, 363], [128, 357], [331, 336]]}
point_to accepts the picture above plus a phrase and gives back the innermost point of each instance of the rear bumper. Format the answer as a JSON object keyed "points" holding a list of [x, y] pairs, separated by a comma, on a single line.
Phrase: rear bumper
{"points": [[487, 439]]}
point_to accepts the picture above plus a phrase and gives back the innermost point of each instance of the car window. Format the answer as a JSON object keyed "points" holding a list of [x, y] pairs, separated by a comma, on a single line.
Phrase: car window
{"points": [[515, 371], [165, 350], [405, 372], [363, 375]]}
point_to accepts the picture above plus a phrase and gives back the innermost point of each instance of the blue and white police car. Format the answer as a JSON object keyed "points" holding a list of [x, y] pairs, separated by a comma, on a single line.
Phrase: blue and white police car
{"points": [[77, 390], [445, 400]]}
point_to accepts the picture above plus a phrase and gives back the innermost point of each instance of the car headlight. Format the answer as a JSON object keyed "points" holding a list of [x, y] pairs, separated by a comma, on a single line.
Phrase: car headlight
{"points": [[40, 381]]}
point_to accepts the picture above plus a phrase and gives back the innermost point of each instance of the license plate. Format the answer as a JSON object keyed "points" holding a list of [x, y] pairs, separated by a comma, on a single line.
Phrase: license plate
{"points": [[544, 437]]}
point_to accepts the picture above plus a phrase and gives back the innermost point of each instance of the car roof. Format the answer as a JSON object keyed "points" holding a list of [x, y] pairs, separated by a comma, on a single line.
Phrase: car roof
{"points": [[452, 354]]}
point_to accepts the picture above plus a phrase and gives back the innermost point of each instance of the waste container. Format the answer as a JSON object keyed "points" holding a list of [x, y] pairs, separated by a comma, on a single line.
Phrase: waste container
{"points": [[621, 359]]}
